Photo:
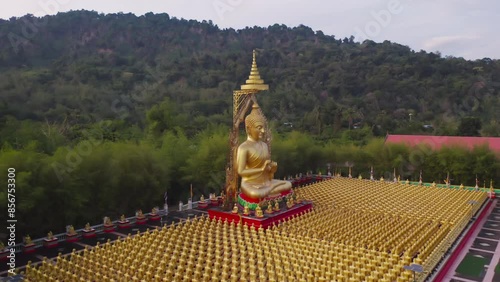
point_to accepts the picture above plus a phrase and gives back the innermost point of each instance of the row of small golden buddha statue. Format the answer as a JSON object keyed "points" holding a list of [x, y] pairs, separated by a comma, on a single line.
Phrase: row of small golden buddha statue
{"points": [[295, 250], [272, 206], [221, 251], [107, 221]]}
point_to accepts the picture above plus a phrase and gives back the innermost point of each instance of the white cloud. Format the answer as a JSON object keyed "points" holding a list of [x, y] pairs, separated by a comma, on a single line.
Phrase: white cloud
{"points": [[438, 42]]}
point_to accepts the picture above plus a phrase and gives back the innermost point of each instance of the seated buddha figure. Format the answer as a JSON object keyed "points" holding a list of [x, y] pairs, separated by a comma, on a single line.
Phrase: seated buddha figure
{"points": [[254, 161]]}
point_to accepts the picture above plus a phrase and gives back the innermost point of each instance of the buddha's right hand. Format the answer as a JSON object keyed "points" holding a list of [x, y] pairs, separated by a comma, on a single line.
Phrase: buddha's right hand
{"points": [[266, 166]]}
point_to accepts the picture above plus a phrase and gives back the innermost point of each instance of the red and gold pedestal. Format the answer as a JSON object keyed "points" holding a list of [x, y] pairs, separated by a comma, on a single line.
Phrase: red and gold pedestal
{"points": [[124, 224], [108, 228], [141, 220], [154, 217], [72, 237], [268, 220], [214, 201], [252, 204], [88, 233], [28, 249], [50, 243], [203, 205]]}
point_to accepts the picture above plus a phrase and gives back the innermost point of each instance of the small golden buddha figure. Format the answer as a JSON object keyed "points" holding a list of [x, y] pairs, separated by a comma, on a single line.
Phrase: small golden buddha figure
{"points": [[154, 211], [269, 209], [258, 212], [276, 206], [462, 186], [254, 163], [246, 210], [360, 177], [289, 202], [71, 230], [139, 214], [381, 178], [202, 199], [50, 236], [122, 218], [235, 209], [107, 221], [433, 184], [87, 227], [407, 182]]}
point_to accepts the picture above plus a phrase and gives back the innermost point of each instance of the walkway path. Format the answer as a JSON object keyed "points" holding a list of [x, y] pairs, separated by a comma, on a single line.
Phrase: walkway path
{"points": [[489, 224], [496, 256]]}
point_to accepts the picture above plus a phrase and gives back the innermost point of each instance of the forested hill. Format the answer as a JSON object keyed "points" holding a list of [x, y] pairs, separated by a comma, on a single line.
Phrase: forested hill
{"points": [[102, 114], [82, 67]]}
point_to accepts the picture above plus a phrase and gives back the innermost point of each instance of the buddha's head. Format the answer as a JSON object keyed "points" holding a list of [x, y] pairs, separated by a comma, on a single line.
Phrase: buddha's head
{"points": [[255, 124]]}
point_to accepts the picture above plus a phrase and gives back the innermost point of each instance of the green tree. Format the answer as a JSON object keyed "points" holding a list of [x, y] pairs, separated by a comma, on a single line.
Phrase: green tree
{"points": [[469, 126]]}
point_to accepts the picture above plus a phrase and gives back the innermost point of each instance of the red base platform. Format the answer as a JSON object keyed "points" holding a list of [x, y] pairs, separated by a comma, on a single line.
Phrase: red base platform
{"points": [[264, 222], [109, 228], [72, 237], [155, 217], [141, 220], [88, 233], [28, 249], [203, 205], [215, 201], [50, 243], [244, 200], [124, 224]]}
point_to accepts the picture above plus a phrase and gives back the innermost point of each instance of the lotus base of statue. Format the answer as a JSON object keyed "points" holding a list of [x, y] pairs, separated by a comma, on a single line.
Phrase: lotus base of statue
{"points": [[266, 220], [244, 200]]}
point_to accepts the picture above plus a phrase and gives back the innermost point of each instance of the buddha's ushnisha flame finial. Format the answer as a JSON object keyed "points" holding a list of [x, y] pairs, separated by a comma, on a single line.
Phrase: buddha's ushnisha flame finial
{"points": [[254, 82]]}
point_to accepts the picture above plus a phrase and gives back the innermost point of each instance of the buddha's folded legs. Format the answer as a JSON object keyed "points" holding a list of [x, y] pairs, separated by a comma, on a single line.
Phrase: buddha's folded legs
{"points": [[261, 191]]}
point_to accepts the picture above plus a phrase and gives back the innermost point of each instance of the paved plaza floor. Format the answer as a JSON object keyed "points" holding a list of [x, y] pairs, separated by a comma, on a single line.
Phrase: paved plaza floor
{"points": [[479, 260]]}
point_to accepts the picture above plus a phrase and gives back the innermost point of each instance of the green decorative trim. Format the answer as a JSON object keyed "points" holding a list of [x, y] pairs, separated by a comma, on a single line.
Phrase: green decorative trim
{"points": [[251, 206]]}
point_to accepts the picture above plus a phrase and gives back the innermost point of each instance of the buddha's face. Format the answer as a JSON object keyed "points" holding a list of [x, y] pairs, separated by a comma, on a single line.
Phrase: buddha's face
{"points": [[256, 131]]}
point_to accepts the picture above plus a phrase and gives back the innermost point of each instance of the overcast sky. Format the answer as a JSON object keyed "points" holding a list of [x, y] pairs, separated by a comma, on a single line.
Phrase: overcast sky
{"points": [[460, 28]]}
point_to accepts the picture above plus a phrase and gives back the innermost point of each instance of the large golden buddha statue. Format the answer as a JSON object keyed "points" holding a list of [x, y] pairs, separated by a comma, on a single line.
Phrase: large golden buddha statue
{"points": [[254, 163]]}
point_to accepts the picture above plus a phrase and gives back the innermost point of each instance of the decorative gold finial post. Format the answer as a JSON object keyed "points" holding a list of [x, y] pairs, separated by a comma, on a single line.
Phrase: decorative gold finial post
{"points": [[254, 82], [492, 191]]}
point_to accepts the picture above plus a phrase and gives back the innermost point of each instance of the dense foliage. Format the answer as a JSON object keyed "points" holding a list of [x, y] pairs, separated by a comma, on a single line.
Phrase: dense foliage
{"points": [[101, 114], [85, 67], [98, 177]]}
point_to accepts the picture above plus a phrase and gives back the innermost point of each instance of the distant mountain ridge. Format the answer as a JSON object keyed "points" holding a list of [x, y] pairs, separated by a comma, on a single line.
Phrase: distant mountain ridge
{"points": [[78, 64]]}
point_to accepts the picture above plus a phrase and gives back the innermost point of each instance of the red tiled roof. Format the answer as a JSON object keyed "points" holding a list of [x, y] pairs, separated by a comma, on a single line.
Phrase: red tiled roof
{"points": [[436, 142]]}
